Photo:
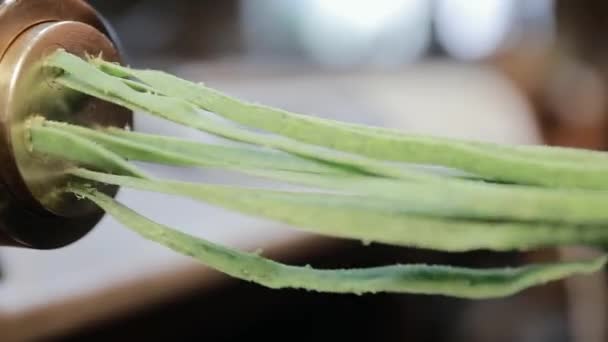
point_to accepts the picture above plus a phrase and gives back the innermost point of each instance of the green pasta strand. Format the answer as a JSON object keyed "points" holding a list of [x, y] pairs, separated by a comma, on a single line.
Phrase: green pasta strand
{"points": [[302, 165], [367, 219], [539, 166], [462, 201], [411, 279], [467, 201], [83, 77], [351, 217], [196, 92], [81, 151], [180, 152]]}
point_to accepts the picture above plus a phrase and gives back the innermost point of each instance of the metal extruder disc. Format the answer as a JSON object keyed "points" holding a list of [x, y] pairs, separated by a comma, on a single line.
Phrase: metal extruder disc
{"points": [[33, 213]]}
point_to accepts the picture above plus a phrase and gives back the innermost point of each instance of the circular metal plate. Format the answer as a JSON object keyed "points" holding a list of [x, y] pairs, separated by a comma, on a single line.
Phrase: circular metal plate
{"points": [[32, 213], [16, 16]]}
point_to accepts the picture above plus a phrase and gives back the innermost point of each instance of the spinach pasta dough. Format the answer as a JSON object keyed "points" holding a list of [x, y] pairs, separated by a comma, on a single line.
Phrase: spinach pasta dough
{"points": [[358, 182]]}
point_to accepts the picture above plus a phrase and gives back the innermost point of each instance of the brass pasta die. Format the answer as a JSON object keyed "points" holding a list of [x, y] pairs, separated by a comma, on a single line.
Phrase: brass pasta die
{"points": [[33, 213]]}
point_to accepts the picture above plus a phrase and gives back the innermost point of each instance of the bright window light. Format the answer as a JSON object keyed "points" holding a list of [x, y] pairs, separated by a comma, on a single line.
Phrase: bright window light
{"points": [[380, 32], [364, 15], [473, 29]]}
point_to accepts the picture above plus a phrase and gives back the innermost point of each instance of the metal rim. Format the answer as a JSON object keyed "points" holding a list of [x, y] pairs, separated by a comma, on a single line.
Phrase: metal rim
{"points": [[29, 29]]}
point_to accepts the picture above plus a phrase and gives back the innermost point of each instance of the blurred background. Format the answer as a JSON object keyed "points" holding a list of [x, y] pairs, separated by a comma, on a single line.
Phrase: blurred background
{"points": [[509, 71]]}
